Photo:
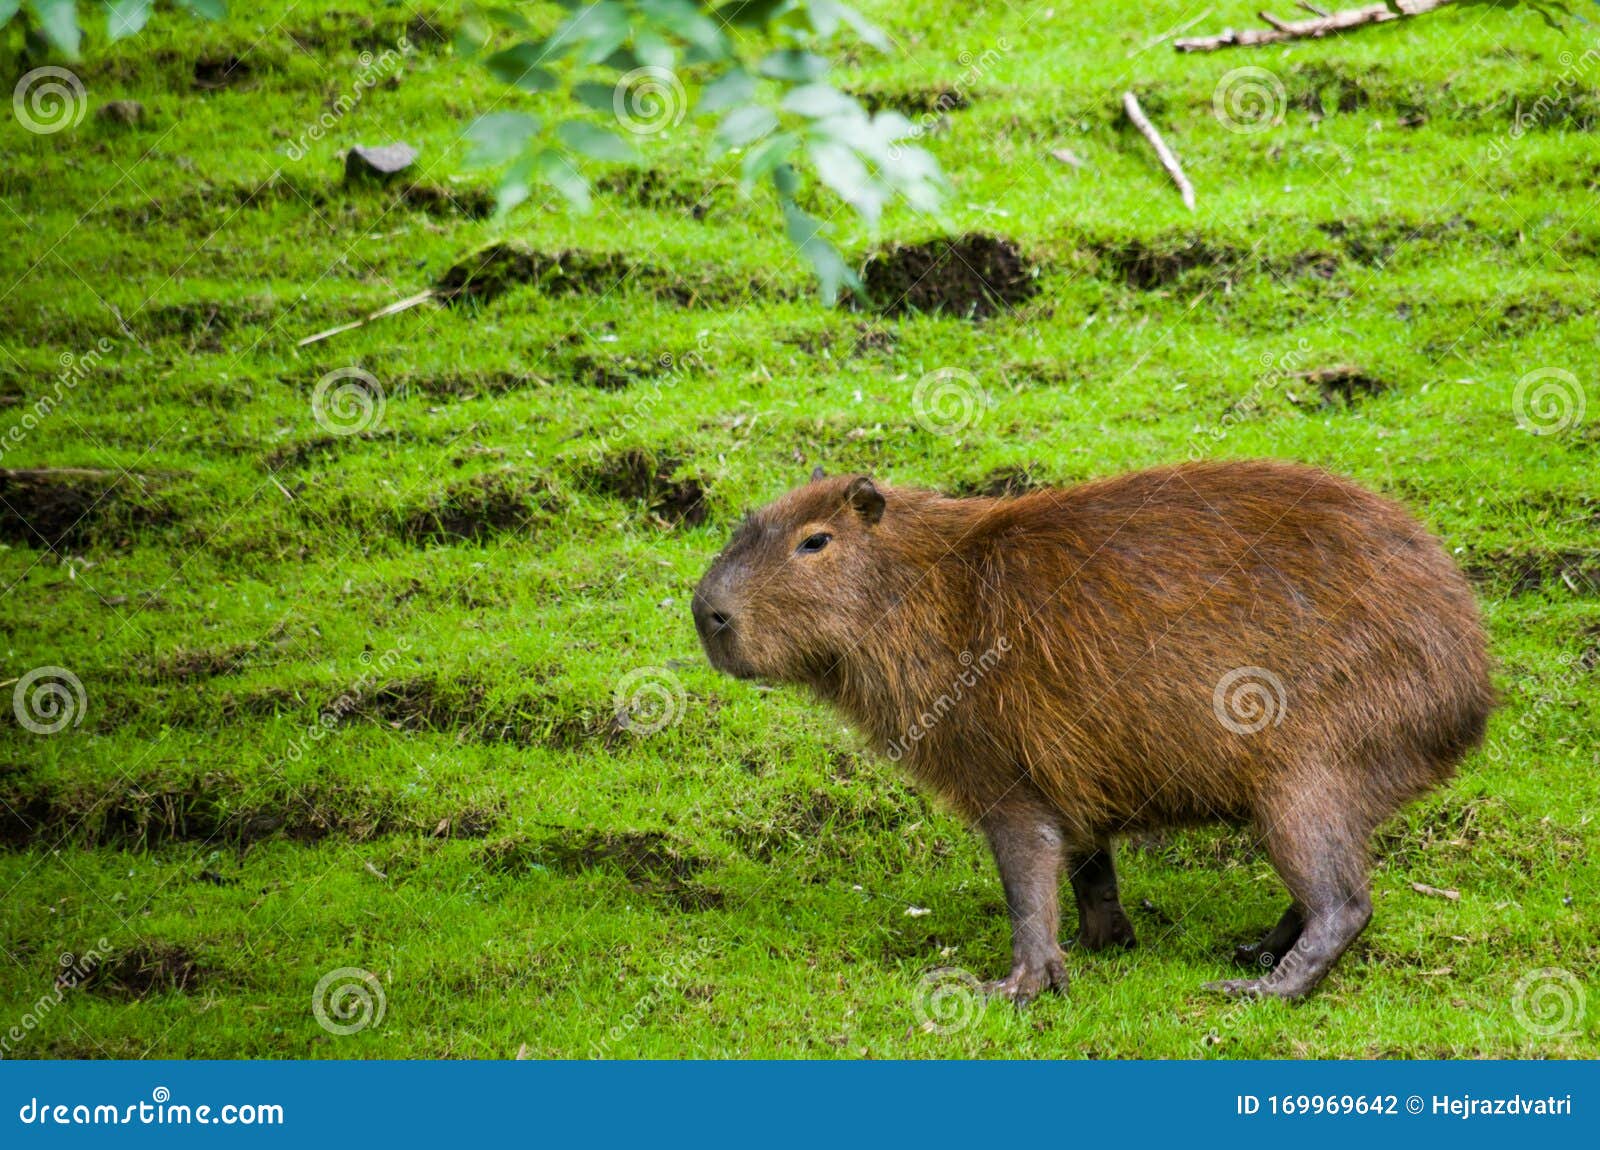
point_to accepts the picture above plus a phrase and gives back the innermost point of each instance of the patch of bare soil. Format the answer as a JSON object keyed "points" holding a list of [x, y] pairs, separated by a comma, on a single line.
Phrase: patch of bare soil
{"points": [[1523, 573], [154, 968], [481, 508], [971, 276], [638, 475]]}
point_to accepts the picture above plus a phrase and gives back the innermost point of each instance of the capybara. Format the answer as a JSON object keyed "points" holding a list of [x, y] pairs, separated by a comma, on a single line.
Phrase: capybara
{"points": [[1251, 642]]}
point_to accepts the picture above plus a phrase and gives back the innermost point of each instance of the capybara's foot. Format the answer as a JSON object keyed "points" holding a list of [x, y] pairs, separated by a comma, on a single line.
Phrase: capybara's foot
{"points": [[1253, 988], [1027, 981], [1105, 931], [1255, 956]]}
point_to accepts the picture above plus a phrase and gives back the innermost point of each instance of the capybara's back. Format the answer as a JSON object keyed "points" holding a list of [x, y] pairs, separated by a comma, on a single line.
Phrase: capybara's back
{"points": [[1249, 641]]}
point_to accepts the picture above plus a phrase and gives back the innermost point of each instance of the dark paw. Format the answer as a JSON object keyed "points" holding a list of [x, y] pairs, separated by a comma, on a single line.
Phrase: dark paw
{"points": [[1028, 981], [1103, 935], [1252, 956]]}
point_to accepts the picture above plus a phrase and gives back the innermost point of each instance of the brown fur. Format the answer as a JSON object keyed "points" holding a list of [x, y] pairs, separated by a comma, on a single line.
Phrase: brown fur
{"points": [[1058, 667]]}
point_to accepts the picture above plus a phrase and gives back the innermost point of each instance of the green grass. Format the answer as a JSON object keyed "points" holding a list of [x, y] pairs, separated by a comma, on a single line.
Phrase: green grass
{"points": [[476, 576]]}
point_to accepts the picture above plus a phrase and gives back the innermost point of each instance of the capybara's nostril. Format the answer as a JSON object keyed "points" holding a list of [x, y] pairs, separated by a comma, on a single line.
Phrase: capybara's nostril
{"points": [[709, 621]]}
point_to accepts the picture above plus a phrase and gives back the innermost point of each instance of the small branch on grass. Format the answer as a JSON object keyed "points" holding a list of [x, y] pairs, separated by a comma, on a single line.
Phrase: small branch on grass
{"points": [[1169, 161], [1320, 25], [390, 309]]}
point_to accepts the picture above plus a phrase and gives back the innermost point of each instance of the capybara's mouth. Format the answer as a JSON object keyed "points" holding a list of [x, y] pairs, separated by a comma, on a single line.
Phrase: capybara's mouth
{"points": [[722, 656]]}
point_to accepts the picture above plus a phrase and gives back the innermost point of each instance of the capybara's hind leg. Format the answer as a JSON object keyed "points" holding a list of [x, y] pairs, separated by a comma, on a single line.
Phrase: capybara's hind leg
{"points": [[1323, 861], [1028, 847], [1101, 919], [1264, 955]]}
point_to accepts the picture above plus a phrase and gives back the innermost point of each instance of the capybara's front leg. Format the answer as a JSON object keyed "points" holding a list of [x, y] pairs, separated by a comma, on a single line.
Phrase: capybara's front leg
{"points": [[1102, 922], [1028, 848]]}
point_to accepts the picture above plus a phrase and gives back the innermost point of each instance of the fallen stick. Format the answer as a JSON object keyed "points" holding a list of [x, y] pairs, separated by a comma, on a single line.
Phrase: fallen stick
{"points": [[398, 306], [1279, 30], [1130, 105]]}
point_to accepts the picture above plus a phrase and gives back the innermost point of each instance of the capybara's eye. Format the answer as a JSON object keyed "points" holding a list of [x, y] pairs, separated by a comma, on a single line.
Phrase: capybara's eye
{"points": [[813, 543]]}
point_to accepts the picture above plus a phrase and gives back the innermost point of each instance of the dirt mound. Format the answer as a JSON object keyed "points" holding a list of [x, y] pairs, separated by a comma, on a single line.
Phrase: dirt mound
{"points": [[146, 969], [638, 475], [970, 276], [479, 509], [651, 861], [999, 484], [489, 273], [1522, 573], [65, 507], [1341, 385]]}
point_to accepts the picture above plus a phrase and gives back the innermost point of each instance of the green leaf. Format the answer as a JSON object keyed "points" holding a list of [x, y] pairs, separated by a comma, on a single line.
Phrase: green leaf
{"points": [[521, 64], [832, 13], [686, 21], [749, 13], [124, 18], [559, 173], [204, 9], [733, 87], [8, 9], [509, 18], [499, 137], [515, 186], [820, 101], [793, 65], [600, 97], [746, 125], [595, 142], [592, 33], [805, 232], [653, 51], [58, 20], [841, 169], [762, 161]]}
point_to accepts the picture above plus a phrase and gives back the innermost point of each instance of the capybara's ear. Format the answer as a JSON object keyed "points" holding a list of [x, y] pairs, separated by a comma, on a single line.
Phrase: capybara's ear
{"points": [[817, 474], [865, 498]]}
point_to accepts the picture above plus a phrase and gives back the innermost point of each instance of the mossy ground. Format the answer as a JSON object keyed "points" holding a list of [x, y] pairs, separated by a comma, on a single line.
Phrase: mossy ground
{"points": [[351, 699]]}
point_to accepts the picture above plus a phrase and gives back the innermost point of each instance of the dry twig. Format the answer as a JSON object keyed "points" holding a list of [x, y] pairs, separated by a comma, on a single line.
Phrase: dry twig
{"points": [[1319, 25], [1169, 161]]}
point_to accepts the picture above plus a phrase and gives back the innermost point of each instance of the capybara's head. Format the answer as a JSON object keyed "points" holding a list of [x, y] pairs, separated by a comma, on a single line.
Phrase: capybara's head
{"points": [[797, 584]]}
